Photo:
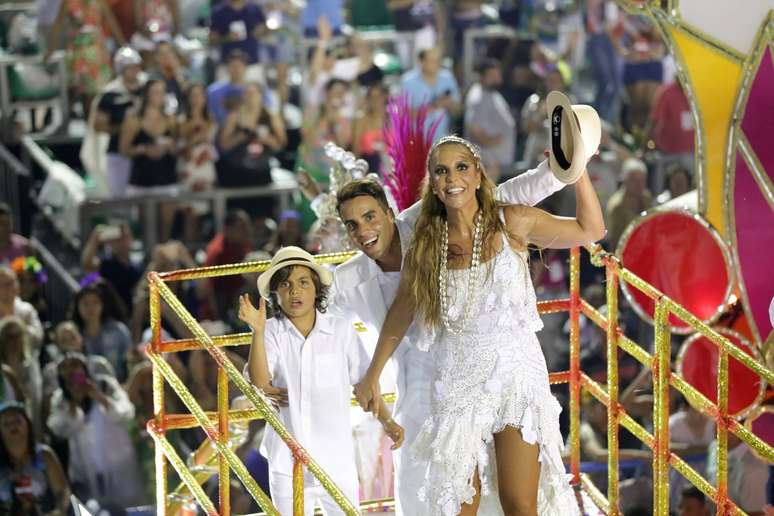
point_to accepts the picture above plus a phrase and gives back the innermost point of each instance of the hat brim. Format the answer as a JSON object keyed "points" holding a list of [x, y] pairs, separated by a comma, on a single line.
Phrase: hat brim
{"points": [[264, 280], [582, 123]]}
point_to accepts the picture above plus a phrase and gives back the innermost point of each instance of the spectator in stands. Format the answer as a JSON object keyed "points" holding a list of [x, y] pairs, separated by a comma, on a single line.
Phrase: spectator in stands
{"points": [[155, 20], [277, 46], [602, 17], [678, 179], [17, 354], [330, 10], [692, 503], [67, 337], [229, 246], [169, 68], [88, 60], [631, 199], [224, 96], [203, 377], [100, 316], [167, 257], [690, 433], [148, 138], [10, 389], [534, 122], [593, 441], [289, 232], [368, 74], [197, 155], [747, 475], [118, 97], [250, 136], [489, 122], [237, 25], [12, 304], [429, 83], [92, 413], [32, 480], [642, 52], [463, 15], [671, 127], [32, 280], [108, 252], [12, 245], [368, 129], [328, 123], [325, 64]]}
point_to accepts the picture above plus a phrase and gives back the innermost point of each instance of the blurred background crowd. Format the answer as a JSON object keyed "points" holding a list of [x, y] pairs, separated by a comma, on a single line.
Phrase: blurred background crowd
{"points": [[179, 101]]}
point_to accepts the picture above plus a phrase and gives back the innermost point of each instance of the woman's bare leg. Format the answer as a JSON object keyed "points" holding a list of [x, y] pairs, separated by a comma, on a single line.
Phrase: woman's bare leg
{"points": [[471, 509], [518, 473]]}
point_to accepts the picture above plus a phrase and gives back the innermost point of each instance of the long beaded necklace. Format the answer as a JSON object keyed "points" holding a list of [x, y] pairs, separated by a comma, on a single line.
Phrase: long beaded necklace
{"points": [[443, 273]]}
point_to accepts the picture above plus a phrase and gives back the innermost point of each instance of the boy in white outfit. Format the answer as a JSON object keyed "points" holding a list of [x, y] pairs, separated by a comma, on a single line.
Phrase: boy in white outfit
{"points": [[316, 358]]}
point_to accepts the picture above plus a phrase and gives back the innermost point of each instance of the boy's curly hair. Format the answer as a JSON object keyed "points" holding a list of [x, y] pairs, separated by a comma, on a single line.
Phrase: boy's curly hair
{"points": [[320, 291]]}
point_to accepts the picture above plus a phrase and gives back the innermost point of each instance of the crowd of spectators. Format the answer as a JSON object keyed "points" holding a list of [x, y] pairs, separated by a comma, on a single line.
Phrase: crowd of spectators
{"points": [[77, 392]]}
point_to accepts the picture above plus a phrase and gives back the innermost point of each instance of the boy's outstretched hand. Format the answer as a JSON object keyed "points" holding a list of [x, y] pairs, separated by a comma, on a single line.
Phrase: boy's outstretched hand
{"points": [[253, 317], [395, 432]]}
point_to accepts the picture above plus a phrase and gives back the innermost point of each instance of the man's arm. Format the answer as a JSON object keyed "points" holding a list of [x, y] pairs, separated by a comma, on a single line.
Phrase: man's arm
{"points": [[531, 187]]}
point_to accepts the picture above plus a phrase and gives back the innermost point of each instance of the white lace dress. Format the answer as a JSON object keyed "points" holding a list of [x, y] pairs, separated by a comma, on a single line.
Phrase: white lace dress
{"points": [[491, 376]]}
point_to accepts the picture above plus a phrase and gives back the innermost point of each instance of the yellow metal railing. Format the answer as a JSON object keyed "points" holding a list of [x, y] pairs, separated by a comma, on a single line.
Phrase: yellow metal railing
{"points": [[663, 378], [215, 424]]}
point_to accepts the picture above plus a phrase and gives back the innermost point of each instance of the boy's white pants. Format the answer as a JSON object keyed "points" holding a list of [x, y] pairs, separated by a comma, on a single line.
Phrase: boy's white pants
{"points": [[314, 495]]}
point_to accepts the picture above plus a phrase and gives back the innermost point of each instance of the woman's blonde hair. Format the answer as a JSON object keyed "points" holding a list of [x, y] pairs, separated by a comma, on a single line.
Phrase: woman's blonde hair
{"points": [[423, 259]]}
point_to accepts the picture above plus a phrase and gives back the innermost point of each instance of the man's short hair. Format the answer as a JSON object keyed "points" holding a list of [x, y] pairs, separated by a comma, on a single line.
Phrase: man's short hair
{"points": [[487, 64], [241, 55], [362, 188], [5, 209], [234, 216], [695, 493], [632, 165]]}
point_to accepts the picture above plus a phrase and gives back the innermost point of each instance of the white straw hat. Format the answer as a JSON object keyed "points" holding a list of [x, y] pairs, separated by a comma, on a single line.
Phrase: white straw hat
{"points": [[286, 257], [573, 139]]}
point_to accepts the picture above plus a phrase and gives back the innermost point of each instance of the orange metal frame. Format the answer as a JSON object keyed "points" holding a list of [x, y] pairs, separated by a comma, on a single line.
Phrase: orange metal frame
{"points": [[215, 424]]}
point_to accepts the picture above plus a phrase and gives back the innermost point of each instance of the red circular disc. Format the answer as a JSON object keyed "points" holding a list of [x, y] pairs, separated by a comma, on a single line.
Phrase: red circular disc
{"points": [[698, 365], [682, 256], [761, 423]]}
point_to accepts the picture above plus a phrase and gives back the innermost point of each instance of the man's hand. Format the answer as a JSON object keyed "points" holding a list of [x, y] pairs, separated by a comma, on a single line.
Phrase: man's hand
{"points": [[277, 395], [255, 318], [368, 393], [395, 432], [307, 185]]}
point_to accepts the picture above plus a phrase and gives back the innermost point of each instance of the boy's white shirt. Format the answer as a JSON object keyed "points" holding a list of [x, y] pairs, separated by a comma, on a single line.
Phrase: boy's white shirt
{"points": [[318, 371]]}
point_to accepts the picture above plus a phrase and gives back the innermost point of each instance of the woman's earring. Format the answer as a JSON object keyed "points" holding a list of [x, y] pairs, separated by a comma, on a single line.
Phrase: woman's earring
{"points": [[478, 187]]}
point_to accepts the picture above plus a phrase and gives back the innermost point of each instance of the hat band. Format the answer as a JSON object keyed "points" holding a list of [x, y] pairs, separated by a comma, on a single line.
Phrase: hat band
{"points": [[294, 258], [556, 138]]}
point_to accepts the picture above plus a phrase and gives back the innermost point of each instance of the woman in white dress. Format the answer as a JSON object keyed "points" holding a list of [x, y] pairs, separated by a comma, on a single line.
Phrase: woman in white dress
{"points": [[494, 424]]}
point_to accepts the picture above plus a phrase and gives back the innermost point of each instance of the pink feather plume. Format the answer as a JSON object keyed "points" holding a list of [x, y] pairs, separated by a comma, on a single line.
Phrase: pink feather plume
{"points": [[408, 142]]}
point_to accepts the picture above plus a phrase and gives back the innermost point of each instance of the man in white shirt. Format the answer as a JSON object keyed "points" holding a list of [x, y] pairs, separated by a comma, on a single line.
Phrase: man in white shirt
{"points": [[747, 475], [489, 122], [364, 287]]}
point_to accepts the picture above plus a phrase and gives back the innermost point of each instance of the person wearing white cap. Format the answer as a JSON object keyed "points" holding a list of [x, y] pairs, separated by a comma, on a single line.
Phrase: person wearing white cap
{"points": [[316, 357], [493, 424], [120, 95], [629, 201]]}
